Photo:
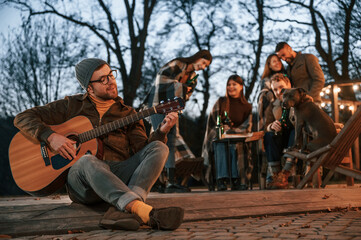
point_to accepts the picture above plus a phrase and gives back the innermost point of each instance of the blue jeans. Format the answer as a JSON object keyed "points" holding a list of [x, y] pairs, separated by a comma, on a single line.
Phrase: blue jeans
{"points": [[274, 146], [91, 180], [221, 162], [156, 119]]}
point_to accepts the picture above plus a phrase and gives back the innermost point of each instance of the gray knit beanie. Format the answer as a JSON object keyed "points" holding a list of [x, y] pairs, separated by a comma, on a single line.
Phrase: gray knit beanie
{"points": [[85, 69]]}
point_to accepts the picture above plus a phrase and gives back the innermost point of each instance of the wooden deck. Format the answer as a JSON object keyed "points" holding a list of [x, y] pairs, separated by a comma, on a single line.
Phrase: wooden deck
{"points": [[24, 216]]}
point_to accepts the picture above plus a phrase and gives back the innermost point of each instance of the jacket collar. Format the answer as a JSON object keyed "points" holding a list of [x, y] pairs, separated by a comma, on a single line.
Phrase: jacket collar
{"points": [[294, 60]]}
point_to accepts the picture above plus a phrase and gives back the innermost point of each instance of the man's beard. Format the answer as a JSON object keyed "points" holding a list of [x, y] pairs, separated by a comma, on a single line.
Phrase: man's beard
{"points": [[109, 95], [289, 60]]}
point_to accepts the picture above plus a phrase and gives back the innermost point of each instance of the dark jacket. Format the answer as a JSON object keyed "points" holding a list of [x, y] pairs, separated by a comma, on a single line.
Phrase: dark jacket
{"points": [[305, 72], [118, 145]]}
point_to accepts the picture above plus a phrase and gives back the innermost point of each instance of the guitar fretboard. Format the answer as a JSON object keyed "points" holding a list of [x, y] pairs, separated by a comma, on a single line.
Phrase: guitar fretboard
{"points": [[106, 128]]}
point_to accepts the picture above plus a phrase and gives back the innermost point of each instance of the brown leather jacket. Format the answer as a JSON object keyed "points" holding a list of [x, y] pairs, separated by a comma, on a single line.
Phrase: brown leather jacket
{"points": [[118, 145]]}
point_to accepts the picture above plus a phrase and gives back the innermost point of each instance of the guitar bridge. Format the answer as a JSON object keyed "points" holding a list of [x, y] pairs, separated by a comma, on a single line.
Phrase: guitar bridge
{"points": [[44, 153]]}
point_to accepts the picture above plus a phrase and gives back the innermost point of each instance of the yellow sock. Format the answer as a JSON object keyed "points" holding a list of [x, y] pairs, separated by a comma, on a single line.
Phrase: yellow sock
{"points": [[142, 210]]}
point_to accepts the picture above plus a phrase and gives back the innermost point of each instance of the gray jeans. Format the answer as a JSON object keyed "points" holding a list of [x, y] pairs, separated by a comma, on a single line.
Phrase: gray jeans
{"points": [[91, 180]]}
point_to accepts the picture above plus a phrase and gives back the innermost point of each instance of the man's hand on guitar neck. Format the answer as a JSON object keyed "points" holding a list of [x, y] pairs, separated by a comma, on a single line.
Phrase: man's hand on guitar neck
{"points": [[169, 121], [63, 145]]}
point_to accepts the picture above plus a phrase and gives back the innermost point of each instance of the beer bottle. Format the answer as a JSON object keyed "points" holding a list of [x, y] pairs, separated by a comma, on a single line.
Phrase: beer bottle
{"points": [[191, 81], [219, 127], [284, 120], [227, 120]]}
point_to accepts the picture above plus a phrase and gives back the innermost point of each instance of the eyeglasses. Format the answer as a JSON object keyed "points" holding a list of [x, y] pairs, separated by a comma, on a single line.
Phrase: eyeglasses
{"points": [[105, 79]]}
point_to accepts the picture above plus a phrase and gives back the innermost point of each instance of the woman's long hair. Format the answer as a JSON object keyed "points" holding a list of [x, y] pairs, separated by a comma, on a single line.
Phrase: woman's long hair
{"points": [[198, 55], [267, 72], [238, 80]]}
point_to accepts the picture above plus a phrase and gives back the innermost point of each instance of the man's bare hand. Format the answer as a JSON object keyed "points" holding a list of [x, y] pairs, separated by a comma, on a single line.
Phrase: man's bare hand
{"points": [[168, 122], [276, 126], [63, 145]]}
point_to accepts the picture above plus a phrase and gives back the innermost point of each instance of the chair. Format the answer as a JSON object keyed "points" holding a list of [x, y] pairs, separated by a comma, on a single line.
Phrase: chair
{"points": [[332, 155]]}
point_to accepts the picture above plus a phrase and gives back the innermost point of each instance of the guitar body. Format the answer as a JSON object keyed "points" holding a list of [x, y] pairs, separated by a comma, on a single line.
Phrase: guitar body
{"points": [[41, 176]]}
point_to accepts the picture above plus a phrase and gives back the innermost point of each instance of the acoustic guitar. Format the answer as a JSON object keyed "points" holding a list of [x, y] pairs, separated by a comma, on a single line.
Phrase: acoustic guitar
{"points": [[40, 171]]}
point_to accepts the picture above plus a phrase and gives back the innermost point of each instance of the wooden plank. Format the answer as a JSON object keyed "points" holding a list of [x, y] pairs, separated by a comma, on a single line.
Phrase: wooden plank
{"points": [[29, 218], [58, 211], [50, 226]]}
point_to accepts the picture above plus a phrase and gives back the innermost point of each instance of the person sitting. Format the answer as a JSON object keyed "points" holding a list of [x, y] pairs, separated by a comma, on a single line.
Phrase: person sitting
{"points": [[177, 78], [235, 106], [130, 162], [279, 134], [272, 66]]}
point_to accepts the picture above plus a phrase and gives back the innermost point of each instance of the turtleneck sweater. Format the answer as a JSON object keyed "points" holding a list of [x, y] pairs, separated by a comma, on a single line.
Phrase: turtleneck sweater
{"points": [[101, 106], [238, 111]]}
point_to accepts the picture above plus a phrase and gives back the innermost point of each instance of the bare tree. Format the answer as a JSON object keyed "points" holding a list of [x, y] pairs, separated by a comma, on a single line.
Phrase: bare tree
{"points": [[333, 37], [106, 25], [37, 65], [197, 22], [355, 39], [202, 30], [257, 12]]}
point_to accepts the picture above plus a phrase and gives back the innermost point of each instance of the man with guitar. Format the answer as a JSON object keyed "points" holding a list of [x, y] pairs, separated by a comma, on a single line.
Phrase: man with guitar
{"points": [[124, 164]]}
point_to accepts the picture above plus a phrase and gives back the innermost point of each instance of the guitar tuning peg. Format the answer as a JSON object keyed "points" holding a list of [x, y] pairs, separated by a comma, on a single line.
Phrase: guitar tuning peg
{"points": [[168, 100], [180, 112], [161, 102]]}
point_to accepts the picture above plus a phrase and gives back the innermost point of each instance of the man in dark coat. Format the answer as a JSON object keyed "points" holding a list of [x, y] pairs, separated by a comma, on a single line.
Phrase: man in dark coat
{"points": [[303, 70]]}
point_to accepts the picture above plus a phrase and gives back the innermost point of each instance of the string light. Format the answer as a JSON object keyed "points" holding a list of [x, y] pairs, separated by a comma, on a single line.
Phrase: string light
{"points": [[327, 90]]}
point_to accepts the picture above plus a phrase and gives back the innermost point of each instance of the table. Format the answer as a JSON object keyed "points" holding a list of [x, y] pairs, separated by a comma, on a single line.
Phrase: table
{"points": [[237, 138]]}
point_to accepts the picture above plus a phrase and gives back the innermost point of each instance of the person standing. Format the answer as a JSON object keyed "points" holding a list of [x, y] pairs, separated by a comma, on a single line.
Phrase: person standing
{"points": [[130, 162], [272, 66], [303, 70], [236, 115], [177, 78]]}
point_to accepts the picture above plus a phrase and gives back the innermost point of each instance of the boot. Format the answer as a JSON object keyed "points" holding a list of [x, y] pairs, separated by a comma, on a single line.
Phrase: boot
{"points": [[172, 186], [169, 218], [272, 172], [280, 181], [115, 219], [221, 184], [237, 185]]}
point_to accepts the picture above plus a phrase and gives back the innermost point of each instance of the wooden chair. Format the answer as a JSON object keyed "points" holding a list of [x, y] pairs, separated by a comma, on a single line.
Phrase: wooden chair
{"points": [[332, 155]]}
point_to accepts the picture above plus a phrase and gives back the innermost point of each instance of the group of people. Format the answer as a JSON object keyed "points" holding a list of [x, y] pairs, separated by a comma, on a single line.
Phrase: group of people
{"points": [[235, 112], [131, 161], [303, 71]]}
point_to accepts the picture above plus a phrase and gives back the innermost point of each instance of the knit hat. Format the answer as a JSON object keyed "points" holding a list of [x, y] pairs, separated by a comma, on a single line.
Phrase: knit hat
{"points": [[85, 69]]}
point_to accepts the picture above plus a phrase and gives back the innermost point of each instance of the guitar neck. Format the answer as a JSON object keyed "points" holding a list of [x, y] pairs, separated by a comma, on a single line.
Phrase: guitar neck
{"points": [[109, 127]]}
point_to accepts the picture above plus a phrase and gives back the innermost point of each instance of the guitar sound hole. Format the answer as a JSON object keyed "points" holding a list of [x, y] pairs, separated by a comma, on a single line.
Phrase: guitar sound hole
{"points": [[76, 139]]}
